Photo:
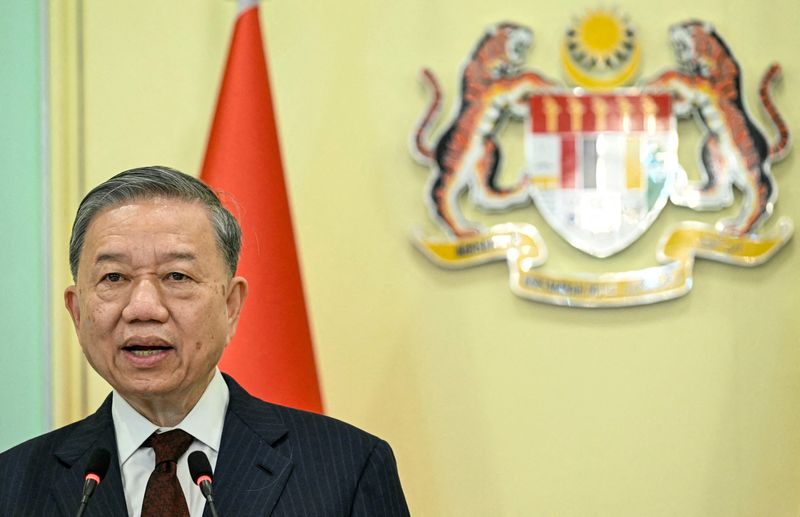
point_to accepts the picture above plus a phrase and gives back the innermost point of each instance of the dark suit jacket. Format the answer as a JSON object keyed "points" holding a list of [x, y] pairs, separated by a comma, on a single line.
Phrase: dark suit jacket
{"points": [[272, 461]]}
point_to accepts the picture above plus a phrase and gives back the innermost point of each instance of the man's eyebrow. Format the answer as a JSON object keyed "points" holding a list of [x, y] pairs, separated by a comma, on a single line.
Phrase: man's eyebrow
{"points": [[180, 256], [110, 257], [121, 257]]}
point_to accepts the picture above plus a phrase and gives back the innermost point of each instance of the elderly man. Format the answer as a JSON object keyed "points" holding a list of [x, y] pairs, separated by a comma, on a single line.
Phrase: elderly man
{"points": [[156, 299]]}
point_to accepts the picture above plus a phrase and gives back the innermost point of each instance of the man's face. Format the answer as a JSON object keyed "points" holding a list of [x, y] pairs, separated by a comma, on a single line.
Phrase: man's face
{"points": [[153, 305]]}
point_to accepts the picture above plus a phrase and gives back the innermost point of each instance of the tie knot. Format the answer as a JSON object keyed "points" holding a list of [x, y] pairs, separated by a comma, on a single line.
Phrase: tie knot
{"points": [[169, 446]]}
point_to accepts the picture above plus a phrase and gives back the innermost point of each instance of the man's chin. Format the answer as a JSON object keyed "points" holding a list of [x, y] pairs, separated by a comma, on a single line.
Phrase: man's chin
{"points": [[146, 387]]}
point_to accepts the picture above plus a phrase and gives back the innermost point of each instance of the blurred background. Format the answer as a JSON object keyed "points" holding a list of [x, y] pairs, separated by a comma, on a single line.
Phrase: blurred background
{"points": [[494, 405]]}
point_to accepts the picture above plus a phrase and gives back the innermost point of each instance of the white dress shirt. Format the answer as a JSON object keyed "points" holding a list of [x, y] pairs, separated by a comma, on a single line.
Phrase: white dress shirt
{"points": [[204, 422]]}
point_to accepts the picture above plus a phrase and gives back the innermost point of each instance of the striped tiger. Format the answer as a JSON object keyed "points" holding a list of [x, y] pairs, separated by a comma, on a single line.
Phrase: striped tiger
{"points": [[734, 151], [467, 154]]}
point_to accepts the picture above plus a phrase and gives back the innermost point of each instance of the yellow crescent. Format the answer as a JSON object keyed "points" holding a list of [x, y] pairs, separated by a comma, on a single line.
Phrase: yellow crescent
{"points": [[587, 81]]}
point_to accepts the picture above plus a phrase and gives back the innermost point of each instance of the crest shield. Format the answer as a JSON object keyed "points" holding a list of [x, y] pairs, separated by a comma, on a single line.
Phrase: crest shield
{"points": [[602, 166]]}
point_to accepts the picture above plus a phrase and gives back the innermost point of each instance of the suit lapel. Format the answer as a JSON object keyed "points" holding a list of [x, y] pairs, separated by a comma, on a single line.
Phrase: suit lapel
{"points": [[96, 431], [250, 473]]}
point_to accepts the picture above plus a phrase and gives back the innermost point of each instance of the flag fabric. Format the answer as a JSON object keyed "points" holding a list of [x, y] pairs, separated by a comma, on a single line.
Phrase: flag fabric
{"points": [[272, 353]]}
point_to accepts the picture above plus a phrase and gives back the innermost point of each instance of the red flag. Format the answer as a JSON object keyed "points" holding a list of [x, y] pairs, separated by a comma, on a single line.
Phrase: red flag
{"points": [[272, 354]]}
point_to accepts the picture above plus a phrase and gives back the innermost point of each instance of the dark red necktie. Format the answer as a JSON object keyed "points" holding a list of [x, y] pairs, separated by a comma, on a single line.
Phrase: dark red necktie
{"points": [[163, 496]]}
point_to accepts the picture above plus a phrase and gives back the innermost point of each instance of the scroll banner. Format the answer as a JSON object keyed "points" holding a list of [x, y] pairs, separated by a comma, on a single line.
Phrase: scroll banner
{"points": [[524, 250]]}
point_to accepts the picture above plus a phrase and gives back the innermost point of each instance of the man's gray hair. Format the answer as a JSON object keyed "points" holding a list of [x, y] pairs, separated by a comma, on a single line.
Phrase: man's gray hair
{"points": [[152, 182]]}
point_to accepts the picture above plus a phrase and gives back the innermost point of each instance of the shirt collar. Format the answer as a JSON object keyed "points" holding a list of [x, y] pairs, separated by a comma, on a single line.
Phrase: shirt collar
{"points": [[204, 421]]}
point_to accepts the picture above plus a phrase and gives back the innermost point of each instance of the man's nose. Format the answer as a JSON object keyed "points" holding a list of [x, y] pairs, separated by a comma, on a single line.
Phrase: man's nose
{"points": [[146, 302]]}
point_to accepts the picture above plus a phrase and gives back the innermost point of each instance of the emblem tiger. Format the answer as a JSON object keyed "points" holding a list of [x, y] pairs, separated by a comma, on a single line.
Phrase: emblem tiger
{"points": [[734, 151], [467, 154]]}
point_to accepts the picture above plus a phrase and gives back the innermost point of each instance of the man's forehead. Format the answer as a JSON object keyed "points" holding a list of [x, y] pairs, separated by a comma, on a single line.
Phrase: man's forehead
{"points": [[172, 229], [168, 203], [151, 214]]}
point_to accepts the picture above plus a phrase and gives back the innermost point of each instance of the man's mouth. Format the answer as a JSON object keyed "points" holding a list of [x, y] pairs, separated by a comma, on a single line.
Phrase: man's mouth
{"points": [[146, 347], [144, 351]]}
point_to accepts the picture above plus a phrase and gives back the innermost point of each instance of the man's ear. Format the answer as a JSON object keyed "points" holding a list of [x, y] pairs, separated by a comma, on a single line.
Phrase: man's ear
{"points": [[73, 306], [237, 292]]}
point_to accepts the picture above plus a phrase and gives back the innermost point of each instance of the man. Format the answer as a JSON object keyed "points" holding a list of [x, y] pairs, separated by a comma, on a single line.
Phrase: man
{"points": [[153, 256]]}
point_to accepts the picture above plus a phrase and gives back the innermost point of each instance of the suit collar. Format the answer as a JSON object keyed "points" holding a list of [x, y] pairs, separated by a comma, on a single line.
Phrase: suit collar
{"points": [[250, 473], [96, 431]]}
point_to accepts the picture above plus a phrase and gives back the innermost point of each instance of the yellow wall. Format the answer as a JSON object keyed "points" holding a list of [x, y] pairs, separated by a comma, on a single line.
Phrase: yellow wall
{"points": [[494, 405]]}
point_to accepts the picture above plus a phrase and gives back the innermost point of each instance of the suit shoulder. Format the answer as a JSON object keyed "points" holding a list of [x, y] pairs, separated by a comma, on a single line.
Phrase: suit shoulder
{"points": [[271, 420], [301, 421], [37, 448], [30, 468], [334, 465], [303, 434], [330, 452]]}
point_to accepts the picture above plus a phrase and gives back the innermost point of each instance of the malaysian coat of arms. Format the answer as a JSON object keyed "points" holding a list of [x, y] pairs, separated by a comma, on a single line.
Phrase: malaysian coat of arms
{"points": [[601, 160]]}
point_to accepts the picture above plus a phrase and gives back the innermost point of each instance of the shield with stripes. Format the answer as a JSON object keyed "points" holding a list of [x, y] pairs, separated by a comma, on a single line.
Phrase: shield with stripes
{"points": [[602, 165]]}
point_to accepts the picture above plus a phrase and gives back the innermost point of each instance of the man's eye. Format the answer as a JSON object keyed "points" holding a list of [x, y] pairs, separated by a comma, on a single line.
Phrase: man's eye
{"points": [[177, 277], [113, 277]]}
